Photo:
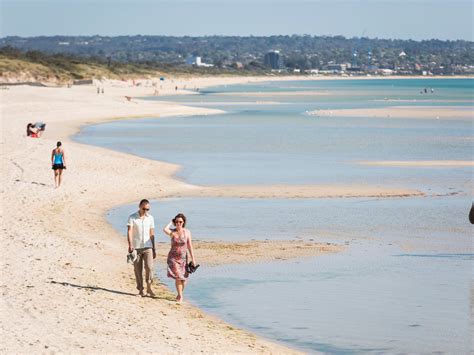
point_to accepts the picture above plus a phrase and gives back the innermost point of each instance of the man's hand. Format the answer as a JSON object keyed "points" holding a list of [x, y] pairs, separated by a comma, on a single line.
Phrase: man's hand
{"points": [[130, 249], [154, 253]]}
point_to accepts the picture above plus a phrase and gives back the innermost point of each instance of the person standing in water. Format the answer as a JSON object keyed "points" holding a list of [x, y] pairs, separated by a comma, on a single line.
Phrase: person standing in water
{"points": [[58, 160]]}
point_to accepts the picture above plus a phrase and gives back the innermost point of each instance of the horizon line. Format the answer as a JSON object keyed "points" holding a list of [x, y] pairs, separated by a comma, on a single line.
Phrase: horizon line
{"points": [[244, 36]]}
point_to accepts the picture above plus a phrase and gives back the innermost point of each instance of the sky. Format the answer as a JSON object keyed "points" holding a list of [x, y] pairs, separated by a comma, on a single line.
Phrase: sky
{"points": [[396, 19]]}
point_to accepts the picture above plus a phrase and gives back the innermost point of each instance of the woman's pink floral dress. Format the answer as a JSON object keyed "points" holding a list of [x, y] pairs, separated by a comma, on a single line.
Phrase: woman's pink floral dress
{"points": [[177, 257]]}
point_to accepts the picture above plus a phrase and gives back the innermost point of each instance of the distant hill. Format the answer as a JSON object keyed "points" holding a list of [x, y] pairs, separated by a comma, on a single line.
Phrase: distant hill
{"points": [[68, 57], [304, 52], [36, 66]]}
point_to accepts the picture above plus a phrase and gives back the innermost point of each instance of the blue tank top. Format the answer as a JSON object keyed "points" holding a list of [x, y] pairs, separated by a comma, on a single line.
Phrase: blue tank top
{"points": [[58, 158]]}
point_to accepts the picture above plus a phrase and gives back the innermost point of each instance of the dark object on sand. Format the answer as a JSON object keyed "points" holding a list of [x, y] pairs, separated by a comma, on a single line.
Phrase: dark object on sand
{"points": [[471, 214], [40, 126], [190, 267]]}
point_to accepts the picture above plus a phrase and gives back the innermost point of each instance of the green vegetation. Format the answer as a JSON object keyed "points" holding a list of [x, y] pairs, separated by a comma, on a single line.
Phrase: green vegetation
{"points": [[63, 58], [246, 53], [63, 68]]}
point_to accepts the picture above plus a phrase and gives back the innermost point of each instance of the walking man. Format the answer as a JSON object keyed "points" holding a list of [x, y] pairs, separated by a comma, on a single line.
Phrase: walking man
{"points": [[141, 237]]}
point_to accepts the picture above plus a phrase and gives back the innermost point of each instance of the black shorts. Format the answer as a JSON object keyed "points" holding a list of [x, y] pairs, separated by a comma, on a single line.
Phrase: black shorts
{"points": [[58, 166]]}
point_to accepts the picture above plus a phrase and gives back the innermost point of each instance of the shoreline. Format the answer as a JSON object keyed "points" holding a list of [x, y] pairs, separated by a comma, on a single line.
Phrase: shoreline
{"points": [[87, 270], [75, 262], [13, 81]]}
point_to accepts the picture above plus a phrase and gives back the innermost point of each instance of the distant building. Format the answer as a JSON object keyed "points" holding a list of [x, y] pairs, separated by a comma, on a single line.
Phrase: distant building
{"points": [[386, 71], [273, 60], [197, 62], [338, 67]]}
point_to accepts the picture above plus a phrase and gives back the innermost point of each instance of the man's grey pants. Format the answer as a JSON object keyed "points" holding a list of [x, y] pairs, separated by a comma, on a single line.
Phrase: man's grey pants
{"points": [[144, 256]]}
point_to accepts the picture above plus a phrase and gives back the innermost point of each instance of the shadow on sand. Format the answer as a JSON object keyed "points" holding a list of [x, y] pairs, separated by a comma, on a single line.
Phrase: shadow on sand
{"points": [[96, 288]]}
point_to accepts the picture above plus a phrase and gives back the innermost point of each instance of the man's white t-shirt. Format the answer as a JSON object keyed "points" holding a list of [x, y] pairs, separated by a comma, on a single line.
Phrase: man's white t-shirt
{"points": [[141, 230]]}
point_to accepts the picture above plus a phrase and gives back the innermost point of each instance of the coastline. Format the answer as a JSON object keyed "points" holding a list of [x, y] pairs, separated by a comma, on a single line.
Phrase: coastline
{"points": [[58, 300], [229, 79], [65, 281]]}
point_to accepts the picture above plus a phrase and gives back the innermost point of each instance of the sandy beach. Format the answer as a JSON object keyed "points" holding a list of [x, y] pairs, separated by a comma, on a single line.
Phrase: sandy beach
{"points": [[65, 282]]}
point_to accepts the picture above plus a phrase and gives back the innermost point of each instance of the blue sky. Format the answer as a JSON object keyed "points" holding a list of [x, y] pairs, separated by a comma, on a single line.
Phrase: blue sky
{"points": [[404, 19]]}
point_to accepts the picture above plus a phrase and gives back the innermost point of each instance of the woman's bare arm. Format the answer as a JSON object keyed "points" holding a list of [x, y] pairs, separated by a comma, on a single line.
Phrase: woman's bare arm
{"points": [[167, 229]]}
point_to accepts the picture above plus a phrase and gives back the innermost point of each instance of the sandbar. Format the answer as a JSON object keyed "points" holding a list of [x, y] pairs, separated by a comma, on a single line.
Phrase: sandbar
{"points": [[422, 163], [401, 112]]}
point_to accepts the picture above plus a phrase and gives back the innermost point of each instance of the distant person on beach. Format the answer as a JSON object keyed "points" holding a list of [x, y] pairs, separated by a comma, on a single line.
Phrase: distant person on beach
{"points": [[471, 214], [32, 131], [35, 130], [181, 243], [58, 160], [141, 237]]}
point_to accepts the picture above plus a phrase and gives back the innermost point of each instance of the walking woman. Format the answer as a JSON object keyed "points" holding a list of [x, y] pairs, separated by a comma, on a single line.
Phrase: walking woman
{"points": [[181, 243], [58, 160]]}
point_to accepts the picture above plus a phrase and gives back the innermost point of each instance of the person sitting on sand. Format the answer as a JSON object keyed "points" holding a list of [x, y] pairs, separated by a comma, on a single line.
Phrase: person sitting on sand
{"points": [[58, 160], [32, 131], [141, 237], [181, 242]]}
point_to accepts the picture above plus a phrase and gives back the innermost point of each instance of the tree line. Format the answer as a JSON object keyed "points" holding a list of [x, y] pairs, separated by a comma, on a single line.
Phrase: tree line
{"points": [[298, 51]]}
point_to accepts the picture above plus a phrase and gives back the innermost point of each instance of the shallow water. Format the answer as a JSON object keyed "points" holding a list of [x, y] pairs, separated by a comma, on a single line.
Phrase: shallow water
{"points": [[374, 297], [430, 224], [280, 144], [366, 299], [370, 299], [402, 286]]}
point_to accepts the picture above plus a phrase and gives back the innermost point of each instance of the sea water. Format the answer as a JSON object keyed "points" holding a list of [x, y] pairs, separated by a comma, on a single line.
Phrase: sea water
{"points": [[281, 144], [403, 284]]}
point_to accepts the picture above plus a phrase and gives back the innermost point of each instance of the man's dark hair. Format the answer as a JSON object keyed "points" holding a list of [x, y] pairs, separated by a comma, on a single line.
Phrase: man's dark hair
{"points": [[144, 202]]}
